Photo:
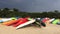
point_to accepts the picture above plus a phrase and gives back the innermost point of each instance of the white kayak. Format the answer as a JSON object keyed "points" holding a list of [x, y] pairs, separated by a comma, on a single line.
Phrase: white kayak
{"points": [[26, 23], [52, 19], [5, 19]]}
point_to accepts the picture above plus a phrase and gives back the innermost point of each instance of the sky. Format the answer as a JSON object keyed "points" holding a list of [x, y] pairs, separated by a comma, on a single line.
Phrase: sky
{"points": [[31, 5]]}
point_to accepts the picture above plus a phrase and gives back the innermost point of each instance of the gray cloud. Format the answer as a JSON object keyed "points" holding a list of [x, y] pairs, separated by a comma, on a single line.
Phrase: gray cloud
{"points": [[31, 5]]}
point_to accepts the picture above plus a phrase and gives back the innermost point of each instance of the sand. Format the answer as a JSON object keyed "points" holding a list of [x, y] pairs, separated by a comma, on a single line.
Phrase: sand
{"points": [[50, 29]]}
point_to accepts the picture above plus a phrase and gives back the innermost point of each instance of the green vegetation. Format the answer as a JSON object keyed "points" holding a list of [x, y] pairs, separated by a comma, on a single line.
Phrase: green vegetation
{"points": [[7, 13]]}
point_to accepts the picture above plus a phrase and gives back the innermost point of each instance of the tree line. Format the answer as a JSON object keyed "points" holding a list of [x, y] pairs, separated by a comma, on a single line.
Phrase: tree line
{"points": [[6, 12]]}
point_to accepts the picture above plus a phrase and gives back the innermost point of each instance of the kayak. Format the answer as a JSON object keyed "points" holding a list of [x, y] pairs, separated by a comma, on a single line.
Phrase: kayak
{"points": [[22, 20], [39, 22], [44, 20], [52, 19], [58, 23], [55, 21], [26, 23], [11, 22], [6, 19]]}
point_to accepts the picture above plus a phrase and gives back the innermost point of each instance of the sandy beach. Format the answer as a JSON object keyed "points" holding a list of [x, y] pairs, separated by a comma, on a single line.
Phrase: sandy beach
{"points": [[50, 29]]}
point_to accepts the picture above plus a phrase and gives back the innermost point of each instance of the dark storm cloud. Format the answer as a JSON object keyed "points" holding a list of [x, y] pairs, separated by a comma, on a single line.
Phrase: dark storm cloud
{"points": [[31, 5]]}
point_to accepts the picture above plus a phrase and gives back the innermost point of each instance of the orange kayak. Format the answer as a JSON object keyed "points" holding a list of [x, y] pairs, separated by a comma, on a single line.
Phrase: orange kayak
{"points": [[11, 22]]}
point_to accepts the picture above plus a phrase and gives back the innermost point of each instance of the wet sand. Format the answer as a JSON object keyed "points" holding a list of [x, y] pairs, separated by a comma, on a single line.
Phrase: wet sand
{"points": [[50, 29]]}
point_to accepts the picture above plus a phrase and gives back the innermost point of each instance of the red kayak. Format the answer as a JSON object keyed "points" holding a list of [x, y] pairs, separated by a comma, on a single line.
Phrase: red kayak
{"points": [[45, 19], [22, 20]]}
